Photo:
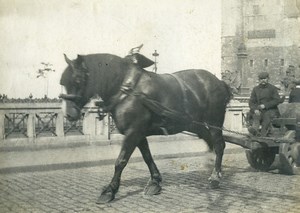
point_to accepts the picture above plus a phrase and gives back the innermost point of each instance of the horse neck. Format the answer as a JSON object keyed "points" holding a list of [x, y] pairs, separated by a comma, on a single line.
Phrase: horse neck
{"points": [[128, 79], [110, 86]]}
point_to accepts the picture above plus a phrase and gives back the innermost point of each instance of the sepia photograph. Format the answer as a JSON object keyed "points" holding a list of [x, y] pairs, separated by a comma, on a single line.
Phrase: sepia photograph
{"points": [[150, 106]]}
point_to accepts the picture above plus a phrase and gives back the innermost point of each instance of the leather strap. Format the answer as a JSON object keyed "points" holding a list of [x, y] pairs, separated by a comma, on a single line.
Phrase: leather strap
{"points": [[183, 89]]}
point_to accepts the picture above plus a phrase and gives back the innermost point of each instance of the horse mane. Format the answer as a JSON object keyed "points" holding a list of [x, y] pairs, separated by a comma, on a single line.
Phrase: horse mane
{"points": [[106, 73]]}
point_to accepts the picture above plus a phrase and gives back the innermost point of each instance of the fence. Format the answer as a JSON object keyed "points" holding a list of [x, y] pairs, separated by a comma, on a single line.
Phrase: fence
{"points": [[36, 121]]}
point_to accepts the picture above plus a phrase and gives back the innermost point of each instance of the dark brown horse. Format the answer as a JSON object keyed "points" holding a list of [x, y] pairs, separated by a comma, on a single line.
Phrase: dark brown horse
{"points": [[143, 103]]}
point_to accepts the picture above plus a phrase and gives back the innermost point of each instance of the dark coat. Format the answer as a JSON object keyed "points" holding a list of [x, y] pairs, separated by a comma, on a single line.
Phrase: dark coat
{"points": [[267, 95], [295, 96]]}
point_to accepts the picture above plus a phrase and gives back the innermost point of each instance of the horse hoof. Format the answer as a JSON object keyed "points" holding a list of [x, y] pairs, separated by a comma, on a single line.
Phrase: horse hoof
{"points": [[214, 184], [105, 198], [152, 188]]}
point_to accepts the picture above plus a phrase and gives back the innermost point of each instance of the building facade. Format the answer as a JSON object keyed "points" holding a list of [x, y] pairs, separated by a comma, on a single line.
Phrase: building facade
{"points": [[260, 35]]}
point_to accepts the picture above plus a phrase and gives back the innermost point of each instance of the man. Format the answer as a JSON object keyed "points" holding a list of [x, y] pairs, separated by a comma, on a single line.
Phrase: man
{"points": [[263, 104], [288, 80], [294, 96]]}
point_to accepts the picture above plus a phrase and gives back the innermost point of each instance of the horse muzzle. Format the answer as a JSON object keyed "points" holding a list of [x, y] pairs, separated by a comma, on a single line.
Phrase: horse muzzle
{"points": [[70, 97], [71, 111]]}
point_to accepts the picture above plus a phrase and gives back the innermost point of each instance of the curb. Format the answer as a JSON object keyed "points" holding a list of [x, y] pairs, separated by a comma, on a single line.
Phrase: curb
{"points": [[15, 145], [103, 162]]}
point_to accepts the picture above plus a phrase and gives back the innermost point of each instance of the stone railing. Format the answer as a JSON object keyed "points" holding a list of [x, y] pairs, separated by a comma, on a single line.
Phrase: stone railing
{"points": [[30, 100], [36, 121], [45, 121]]}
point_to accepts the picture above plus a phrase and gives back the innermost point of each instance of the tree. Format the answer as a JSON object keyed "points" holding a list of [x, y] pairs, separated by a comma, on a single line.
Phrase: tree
{"points": [[43, 73]]}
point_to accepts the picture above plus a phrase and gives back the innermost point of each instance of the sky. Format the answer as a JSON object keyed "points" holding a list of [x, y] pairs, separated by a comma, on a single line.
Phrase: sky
{"points": [[185, 33]]}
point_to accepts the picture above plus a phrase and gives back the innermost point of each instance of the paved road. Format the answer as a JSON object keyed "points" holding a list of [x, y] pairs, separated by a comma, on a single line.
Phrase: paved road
{"points": [[184, 188]]}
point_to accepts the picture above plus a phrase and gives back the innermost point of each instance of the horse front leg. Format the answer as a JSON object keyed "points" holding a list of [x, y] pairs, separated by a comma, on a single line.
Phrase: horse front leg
{"points": [[153, 186], [130, 142], [219, 146]]}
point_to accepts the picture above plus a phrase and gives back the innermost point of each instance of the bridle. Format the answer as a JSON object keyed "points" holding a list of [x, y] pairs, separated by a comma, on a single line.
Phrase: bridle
{"points": [[78, 87]]}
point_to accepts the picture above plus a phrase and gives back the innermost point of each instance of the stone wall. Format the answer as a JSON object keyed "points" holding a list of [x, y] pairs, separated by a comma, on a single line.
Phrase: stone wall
{"points": [[268, 30]]}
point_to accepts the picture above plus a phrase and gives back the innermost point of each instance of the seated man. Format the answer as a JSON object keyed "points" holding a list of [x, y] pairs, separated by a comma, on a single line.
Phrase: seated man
{"points": [[263, 104]]}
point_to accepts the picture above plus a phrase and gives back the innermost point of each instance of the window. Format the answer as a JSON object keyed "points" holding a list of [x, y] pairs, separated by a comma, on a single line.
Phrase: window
{"points": [[255, 9], [266, 62], [282, 62], [291, 8], [251, 62]]}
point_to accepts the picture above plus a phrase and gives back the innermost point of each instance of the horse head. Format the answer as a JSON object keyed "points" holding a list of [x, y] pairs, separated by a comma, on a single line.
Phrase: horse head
{"points": [[74, 79], [92, 75]]}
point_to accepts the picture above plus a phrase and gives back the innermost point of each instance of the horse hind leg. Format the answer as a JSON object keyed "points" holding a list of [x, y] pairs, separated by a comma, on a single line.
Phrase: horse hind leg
{"points": [[204, 133], [153, 186], [219, 146], [215, 141]]}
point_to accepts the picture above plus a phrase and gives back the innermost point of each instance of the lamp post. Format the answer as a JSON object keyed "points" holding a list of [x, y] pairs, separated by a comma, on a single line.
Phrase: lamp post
{"points": [[155, 54]]}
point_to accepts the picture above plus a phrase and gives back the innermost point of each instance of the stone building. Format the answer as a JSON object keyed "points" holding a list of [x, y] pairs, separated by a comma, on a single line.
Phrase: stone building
{"points": [[260, 35]]}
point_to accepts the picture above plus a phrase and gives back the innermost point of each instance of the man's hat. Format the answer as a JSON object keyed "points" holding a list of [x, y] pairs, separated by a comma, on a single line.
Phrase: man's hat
{"points": [[263, 75]]}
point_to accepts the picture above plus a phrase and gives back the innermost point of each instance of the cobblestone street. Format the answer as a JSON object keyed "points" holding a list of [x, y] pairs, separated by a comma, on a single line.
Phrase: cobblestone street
{"points": [[184, 188]]}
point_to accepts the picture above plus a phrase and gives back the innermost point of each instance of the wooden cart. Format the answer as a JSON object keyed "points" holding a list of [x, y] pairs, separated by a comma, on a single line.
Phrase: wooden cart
{"points": [[280, 150]]}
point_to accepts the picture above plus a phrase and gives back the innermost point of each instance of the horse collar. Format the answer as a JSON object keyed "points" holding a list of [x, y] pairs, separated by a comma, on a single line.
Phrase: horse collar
{"points": [[127, 88]]}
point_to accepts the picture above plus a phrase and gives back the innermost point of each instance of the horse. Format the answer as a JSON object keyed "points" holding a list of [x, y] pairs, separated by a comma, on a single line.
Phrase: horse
{"points": [[143, 103]]}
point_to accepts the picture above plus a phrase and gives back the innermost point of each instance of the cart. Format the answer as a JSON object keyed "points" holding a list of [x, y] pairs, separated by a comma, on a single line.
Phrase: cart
{"points": [[280, 150]]}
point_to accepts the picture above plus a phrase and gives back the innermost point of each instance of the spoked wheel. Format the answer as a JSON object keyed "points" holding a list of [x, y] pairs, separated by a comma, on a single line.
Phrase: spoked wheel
{"points": [[289, 158], [261, 158]]}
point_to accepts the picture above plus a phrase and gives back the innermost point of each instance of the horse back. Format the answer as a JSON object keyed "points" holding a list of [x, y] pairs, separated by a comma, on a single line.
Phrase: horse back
{"points": [[195, 92]]}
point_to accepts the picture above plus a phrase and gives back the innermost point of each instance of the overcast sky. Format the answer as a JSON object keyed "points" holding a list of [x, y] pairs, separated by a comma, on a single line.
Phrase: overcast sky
{"points": [[186, 34]]}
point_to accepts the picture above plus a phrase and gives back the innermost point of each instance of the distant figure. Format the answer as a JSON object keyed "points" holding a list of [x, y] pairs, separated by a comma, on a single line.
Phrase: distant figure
{"points": [[289, 79], [294, 96], [232, 79], [4, 97], [263, 104]]}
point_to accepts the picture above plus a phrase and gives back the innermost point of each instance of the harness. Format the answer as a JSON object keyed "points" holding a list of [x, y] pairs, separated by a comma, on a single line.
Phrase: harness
{"points": [[183, 90], [156, 107]]}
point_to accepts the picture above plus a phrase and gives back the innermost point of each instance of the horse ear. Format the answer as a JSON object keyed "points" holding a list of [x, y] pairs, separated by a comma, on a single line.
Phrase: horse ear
{"points": [[68, 60], [80, 61]]}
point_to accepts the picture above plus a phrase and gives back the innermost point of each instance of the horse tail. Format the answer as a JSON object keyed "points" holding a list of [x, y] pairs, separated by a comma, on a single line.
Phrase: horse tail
{"points": [[228, 91]]}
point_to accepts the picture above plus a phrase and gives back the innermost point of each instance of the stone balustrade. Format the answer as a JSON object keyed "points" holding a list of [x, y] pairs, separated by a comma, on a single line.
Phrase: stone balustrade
{"points": [[34, 122]]}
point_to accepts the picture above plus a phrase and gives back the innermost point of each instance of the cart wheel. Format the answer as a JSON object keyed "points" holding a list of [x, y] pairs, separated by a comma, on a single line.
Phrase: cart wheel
{"points": [[261, 158], [289, 158]]}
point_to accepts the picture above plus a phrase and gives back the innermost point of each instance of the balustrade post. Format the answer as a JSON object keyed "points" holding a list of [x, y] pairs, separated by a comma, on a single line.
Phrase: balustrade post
{"points": [[89, 125], [31, 125], [234, 120], [59, 125], [2, 127]]}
